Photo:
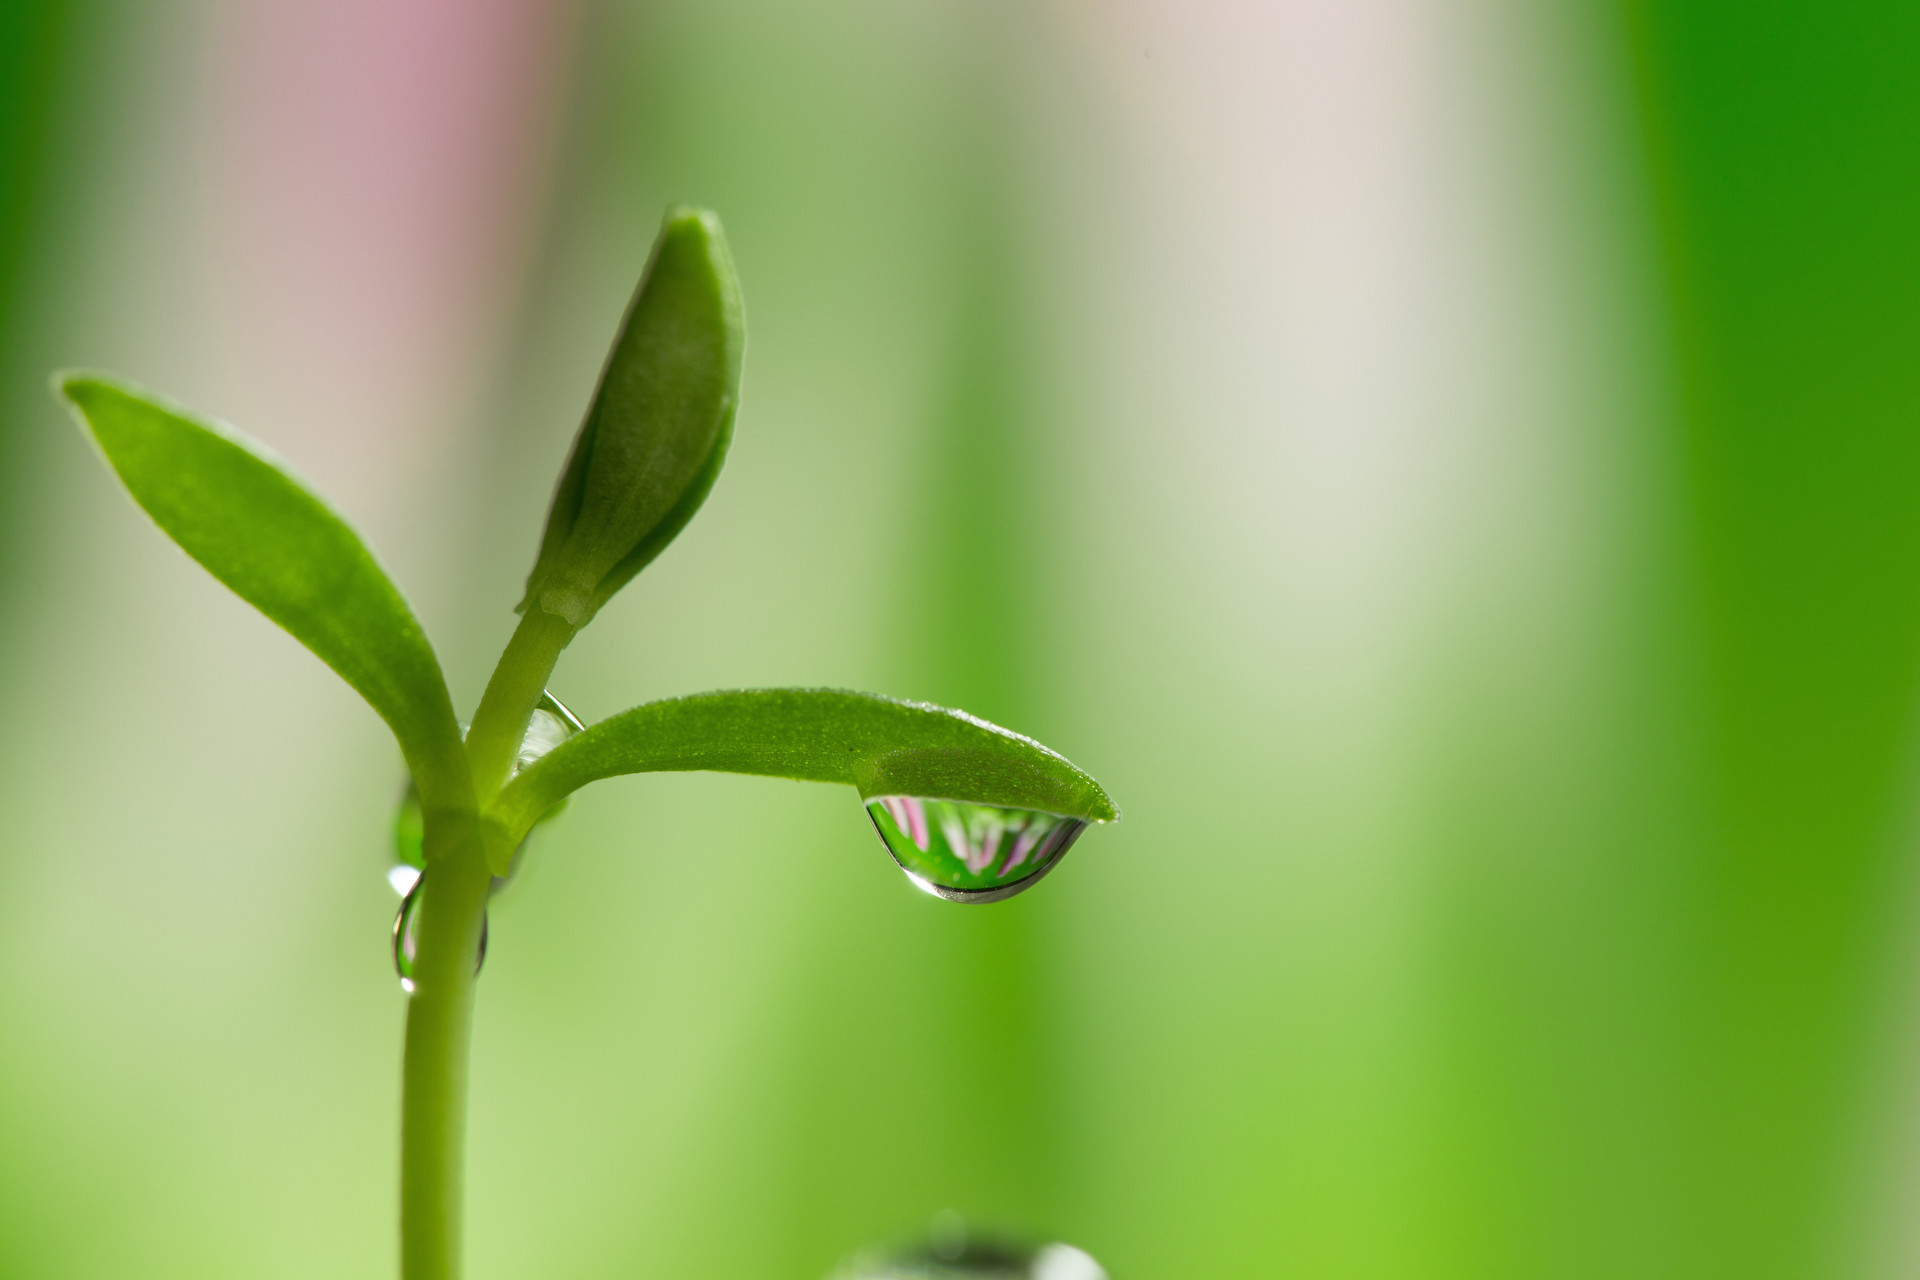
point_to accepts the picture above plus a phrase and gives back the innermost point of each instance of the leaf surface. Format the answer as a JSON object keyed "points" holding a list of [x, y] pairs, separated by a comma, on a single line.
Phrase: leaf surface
{"points": [[880, 746], [235, 508], [656, 434]]}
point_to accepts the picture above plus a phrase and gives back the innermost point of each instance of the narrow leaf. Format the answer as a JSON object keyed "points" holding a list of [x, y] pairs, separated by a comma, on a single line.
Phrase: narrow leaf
{"points": [[880, 746], [235, 508], [657, 431]]}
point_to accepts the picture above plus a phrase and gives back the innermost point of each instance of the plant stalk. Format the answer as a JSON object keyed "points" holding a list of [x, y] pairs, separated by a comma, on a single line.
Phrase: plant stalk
{"points": [[453, 907], [500, 723], [433, 1123]]}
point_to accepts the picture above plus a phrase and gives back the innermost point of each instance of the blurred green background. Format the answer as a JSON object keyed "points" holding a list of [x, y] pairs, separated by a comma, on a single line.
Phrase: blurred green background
{"points": [[1452, 470]]}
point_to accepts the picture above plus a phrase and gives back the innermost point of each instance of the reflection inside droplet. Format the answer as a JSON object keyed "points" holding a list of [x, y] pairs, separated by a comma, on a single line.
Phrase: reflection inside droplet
{"points": [[970, 852], [406, 934], [550, 725]]}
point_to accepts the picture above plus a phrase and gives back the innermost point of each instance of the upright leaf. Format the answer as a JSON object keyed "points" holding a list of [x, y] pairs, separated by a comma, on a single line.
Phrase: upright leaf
{"points": [[656, 434], [880, 746], [235, 508]]}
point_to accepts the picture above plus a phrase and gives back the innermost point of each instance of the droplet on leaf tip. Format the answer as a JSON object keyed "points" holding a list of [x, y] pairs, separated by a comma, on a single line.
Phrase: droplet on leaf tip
{"points": [[970, 852]]}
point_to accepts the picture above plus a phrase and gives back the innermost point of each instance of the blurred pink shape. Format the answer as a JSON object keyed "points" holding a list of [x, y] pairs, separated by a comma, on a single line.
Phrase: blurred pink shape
{"points": [[911, 817], [377, 171], [1022, 846]]}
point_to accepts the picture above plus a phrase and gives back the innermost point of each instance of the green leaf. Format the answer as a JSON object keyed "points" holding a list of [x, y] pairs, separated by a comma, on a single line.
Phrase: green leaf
{"points": [[236, 509], [656, 435], [880, 746]]}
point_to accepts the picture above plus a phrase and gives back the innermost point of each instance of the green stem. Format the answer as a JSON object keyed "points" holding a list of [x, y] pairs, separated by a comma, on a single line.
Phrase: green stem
{"points": [[453, 911], [433, 1123], [514, 691]]}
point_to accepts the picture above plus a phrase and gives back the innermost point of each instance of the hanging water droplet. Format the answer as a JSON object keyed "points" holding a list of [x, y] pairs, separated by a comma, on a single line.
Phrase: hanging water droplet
{"points": [[406, 940], [951, 1252], [550, 725], [971, 852]]}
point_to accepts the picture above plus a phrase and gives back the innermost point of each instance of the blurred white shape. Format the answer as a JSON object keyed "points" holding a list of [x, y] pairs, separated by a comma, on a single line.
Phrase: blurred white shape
{"points": [[403, 877], [1064, 1262], [923, 885], [1363, 399]]}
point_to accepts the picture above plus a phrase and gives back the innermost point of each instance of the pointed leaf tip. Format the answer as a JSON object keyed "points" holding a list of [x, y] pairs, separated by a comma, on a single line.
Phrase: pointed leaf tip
{"points": [[237, 510], [877, 745], [656, 435]]}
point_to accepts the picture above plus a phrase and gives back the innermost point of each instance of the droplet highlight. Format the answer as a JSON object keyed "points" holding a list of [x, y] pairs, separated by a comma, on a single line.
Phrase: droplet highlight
{"points": [[971, 852], [406, 936]]}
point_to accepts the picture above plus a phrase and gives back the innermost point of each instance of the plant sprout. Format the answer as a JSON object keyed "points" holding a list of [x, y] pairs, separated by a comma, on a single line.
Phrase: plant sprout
{"points": [[972, 812]]}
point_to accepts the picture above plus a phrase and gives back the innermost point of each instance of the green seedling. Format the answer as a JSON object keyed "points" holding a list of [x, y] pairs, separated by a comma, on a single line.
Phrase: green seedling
{"points": [[971, 811]]}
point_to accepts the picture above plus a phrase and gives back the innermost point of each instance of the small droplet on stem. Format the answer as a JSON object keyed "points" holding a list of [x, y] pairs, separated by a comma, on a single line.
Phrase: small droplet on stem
{"points": [[406, 936], [551, 724]]}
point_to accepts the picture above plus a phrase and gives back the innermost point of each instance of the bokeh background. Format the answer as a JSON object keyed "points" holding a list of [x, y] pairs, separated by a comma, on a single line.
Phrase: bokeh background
{"points": [[1450, 467]]}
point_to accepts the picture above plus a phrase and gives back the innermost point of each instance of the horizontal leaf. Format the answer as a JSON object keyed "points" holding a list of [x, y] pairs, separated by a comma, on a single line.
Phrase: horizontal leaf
{"points": [[235, 508], [880, 746]]}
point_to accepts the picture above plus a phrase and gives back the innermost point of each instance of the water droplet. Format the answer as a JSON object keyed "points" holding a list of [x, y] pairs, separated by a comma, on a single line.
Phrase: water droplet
{"points": [[406, 929], [951, 1252], [550, 725], [971, 852]]}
